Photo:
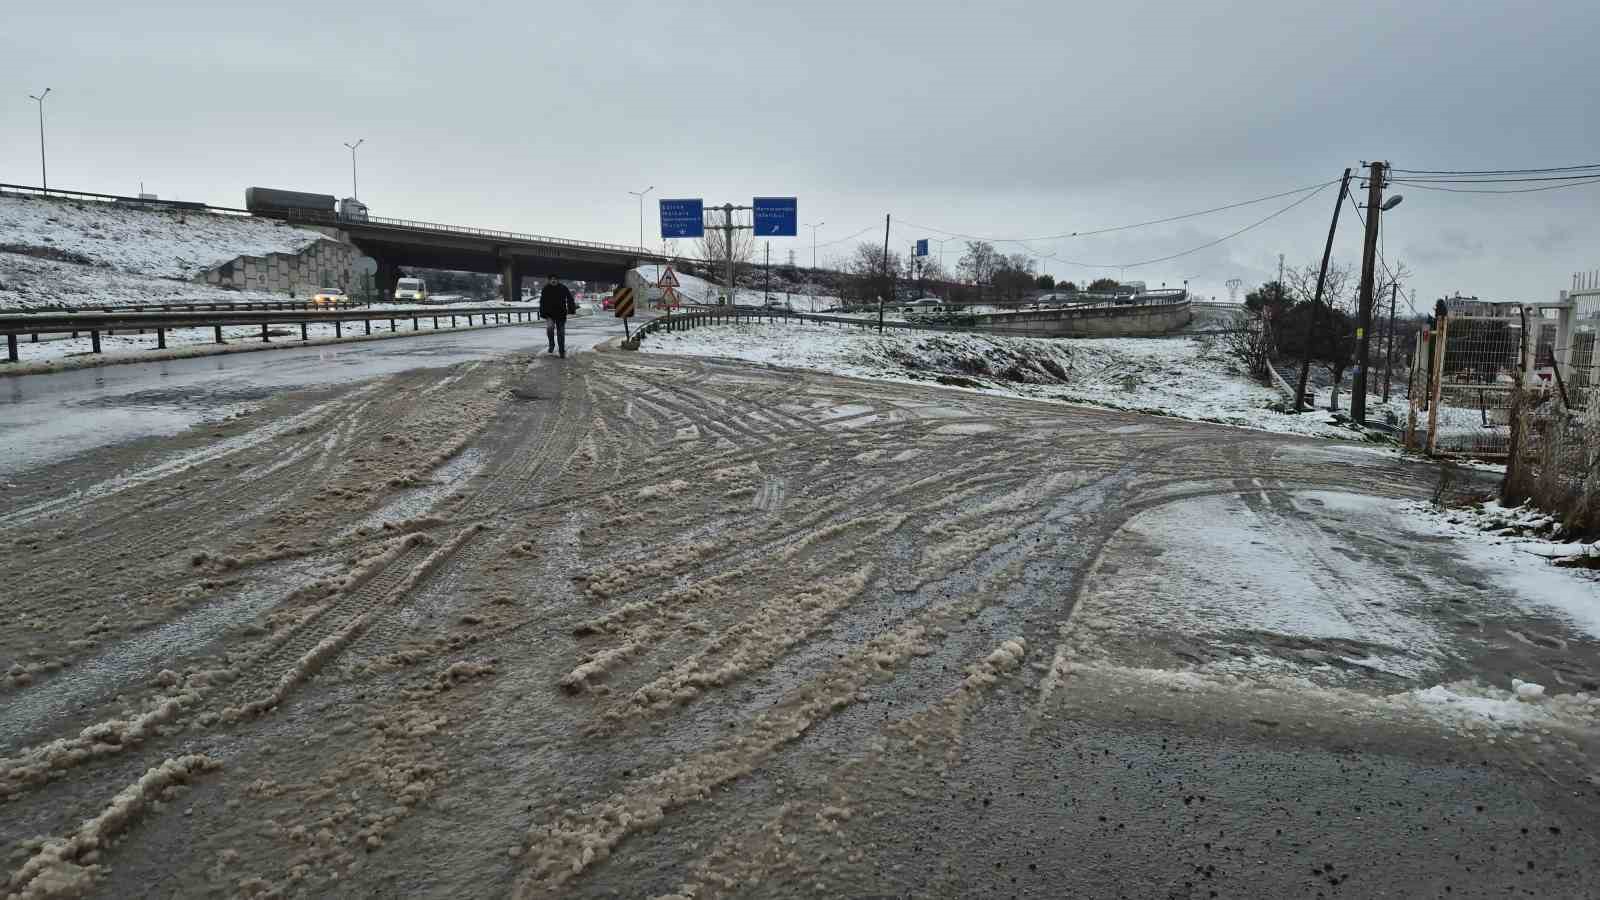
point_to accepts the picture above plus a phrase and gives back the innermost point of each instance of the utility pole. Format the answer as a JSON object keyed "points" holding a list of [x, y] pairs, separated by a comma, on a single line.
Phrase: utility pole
{"points": [[727, 236], [354, 194], [1369, 253], [44, 173], [766, 291], [1316, 301], [814, 227], [1394, 295], [888, 283]]}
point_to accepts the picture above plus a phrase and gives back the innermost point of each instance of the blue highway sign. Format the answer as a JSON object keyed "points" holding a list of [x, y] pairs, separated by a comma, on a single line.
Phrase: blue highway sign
{"points": [[776, 216], [683, 218], [922, 247]]}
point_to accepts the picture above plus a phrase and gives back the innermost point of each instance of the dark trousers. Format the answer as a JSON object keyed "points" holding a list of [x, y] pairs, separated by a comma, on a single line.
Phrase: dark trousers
{"points": [[556, 331]]}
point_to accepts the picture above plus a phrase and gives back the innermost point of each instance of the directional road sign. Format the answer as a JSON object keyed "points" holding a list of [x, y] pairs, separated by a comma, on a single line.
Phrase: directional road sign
{"points": [[776, 216], [922, 247], [683, 218]]}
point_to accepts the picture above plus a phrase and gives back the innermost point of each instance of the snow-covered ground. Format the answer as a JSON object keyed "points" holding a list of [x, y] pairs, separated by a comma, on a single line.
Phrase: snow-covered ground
{"points": [[1186, 378], [1236, 593], [157, 242], [30, 282]]}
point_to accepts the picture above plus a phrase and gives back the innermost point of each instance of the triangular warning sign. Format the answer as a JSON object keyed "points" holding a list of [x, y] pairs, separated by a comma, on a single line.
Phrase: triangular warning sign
{"points": [[667, 279]]}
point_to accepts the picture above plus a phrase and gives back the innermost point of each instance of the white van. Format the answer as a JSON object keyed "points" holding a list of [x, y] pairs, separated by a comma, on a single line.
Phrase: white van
{"points": [[411, 290]]}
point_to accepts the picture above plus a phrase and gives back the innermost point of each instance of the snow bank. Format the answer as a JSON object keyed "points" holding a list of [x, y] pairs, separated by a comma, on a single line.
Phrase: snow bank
{"points": [[159, 242], [68, 868], [1189, 378]]}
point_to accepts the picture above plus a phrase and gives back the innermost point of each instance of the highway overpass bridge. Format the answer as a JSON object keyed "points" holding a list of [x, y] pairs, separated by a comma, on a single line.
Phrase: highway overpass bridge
{"points": [[513, 256]]}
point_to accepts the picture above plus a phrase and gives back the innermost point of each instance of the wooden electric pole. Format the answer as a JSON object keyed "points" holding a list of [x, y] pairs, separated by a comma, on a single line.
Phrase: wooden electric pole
{"points": [[888, 282], [1369, 260]]}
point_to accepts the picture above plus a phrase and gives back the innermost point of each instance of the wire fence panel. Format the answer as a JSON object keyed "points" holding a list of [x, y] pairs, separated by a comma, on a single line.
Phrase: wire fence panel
{"points": [[1476, 380]]}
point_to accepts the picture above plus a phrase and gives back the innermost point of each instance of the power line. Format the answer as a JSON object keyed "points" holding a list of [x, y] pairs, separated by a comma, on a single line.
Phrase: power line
{"points": [[1549, 187], [1498, 171], [1497, 180], [1207, 245], [1092, 232]]}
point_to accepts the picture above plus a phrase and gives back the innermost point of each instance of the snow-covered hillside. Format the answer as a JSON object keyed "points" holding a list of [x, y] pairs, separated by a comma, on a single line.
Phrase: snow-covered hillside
{"points": [[159, 242], [59, 252], [1183, 377]]}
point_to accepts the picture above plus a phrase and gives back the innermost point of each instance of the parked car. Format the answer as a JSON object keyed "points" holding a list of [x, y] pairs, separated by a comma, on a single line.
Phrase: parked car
{"points": [[329, 296], [924, 305]]}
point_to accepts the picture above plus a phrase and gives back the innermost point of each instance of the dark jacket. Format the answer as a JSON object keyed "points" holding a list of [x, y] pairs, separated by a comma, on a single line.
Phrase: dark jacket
{"points": [[555, 301]]}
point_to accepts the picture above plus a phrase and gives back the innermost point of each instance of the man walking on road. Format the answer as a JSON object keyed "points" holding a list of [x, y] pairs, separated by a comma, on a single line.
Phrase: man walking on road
{"points": [[555, 302]]}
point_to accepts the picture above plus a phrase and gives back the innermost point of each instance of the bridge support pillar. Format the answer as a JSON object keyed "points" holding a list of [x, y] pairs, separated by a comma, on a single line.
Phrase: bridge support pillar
{"points": [[510, 281], [387, 278]]}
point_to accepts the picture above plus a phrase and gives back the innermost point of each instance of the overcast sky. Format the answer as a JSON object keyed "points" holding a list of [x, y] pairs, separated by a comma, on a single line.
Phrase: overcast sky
{"points": [[1003, 119]]}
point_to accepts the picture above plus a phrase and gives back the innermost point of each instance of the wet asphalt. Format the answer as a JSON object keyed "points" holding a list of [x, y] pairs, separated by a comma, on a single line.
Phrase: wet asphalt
{"points": [[49, 417]]}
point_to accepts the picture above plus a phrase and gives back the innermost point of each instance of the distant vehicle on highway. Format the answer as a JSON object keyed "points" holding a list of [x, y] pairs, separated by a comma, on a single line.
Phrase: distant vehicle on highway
{"points": [[924, 305], [271, 200], [411, 290], [352, 210], [783, 305], [329, 296]]}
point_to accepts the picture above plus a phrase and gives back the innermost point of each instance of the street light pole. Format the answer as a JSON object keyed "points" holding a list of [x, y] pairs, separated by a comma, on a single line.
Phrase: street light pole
{"points": [[44, 174], [640, 195], [354, 194], [814, 228]]}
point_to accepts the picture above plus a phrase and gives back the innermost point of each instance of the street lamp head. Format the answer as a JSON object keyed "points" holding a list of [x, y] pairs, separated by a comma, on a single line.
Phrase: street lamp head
{"points": [[1392, 202], [41, 97]]}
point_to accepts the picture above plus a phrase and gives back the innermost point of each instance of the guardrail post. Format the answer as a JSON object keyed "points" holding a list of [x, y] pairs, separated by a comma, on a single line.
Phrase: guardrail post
{"points": [[452, 321], [217, 329], [435, 323], [161, 338], [264, 338], [33, 338], [469, 320], [11, 348], [94, 340], [303, 336], [392, 325], [368, 324], [338, 328]]}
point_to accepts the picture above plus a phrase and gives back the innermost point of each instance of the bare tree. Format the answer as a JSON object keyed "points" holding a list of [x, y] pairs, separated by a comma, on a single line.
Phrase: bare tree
{"points": [[713, 249], [1333, 344], [979, 263]]}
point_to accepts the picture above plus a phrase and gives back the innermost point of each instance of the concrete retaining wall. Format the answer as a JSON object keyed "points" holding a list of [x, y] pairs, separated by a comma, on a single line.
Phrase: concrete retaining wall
{"points": [[1132, 321], [326, 263]]}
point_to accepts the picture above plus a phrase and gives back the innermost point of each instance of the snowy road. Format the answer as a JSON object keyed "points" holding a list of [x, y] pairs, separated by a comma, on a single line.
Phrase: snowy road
{"points": [[638, 625], [44, 418]]}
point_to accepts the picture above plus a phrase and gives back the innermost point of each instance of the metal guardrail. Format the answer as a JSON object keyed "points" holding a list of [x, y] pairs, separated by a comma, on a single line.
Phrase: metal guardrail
{"points": [[327, 217], [724, 315], [106, 323], [186, 306], [178, 205]]}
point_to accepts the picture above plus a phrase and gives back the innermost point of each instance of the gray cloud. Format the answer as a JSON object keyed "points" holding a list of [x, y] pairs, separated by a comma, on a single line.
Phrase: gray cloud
{"points": [[1012, 119]]}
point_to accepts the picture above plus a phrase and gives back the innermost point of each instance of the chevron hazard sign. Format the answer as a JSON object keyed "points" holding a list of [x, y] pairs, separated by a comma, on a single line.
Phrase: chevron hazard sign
{"points": [[624, 302]]}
